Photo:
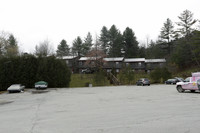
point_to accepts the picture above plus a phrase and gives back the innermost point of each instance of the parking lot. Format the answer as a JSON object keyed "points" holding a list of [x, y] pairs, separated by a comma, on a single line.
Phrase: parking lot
{"points": [[118, 109]]}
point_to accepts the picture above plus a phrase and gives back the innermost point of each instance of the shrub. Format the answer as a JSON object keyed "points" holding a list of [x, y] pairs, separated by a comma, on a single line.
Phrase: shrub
{"points": [[126, 75], [160, 74], [99, 78]]}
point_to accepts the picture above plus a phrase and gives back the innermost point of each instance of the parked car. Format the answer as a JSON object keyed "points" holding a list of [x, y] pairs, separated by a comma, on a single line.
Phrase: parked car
{"points": [[174, 80], [87, 71], [179, 79], [16, 88], [143, 82], [41, 85], [171, 81], [190, 83]]}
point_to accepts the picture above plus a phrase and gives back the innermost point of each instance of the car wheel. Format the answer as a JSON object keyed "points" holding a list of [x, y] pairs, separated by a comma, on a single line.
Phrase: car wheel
{"points": [[142, 84], [192, 91], [180, 89]]}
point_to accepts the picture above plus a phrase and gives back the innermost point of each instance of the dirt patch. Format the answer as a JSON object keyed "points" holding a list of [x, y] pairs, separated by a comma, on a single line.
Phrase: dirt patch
{"points": [[1, 92]]}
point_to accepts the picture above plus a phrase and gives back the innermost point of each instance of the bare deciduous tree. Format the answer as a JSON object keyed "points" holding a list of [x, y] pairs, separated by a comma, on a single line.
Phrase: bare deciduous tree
{"points": [[44, 49], [95, 58], [8, 45], [3, 43]]}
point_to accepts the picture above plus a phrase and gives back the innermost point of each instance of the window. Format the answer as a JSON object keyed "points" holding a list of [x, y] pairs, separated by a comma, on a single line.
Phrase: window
{"points": [[117, 63], [127, 64], [108, 70], [187, 79], [67, 61], [139, 64], [117, 70]]}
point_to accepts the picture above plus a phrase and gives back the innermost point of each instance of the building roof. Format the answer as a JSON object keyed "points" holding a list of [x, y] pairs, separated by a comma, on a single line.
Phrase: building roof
{"points": [[155, 60], [68, 57], [88, 58], [114, 59], [134, 60]]}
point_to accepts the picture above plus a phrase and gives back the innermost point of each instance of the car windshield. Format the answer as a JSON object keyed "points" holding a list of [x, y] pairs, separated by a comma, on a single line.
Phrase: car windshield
{"points": [[15, 86], [179, 79], [187, 79]]}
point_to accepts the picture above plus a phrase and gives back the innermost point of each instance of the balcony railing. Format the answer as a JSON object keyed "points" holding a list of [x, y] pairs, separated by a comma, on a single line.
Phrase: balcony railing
{"points": [[121, 65]]}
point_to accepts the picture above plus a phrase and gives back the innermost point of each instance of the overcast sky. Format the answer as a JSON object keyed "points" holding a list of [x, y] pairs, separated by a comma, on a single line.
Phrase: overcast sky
{"points": [[33, 21]]}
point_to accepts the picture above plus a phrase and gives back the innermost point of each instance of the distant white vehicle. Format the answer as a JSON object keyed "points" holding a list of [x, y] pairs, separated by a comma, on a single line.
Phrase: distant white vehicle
{"points": [[16, 88]]}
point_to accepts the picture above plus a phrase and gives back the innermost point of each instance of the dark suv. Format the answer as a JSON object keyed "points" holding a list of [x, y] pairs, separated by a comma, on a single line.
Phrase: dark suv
{"points": [[174, 80], [171, 81], [143, 82]]}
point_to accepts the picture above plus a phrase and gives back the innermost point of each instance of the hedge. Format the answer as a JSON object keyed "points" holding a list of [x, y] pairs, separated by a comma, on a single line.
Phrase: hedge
{"points": [[29, 69]]}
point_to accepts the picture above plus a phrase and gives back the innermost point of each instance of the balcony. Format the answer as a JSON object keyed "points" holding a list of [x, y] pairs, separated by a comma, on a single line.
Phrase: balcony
{"points": [[113, 65]]}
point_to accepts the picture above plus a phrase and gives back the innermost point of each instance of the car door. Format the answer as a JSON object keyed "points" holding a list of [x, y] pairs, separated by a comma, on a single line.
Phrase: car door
{"points": [[189, 85], [186, 84], [198, 84], [139, 82]]}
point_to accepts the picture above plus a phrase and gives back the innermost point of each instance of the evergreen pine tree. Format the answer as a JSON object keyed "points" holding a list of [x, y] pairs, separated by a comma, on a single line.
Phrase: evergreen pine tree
{"points": [[115, 42], [104, 38], [130, 43], [186, 23], [77, 47], [87, 45], [167, 34], [62, 49]]}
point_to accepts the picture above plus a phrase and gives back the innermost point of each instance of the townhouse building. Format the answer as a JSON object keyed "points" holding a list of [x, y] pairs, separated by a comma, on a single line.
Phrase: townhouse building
{"points": [[116, 63]]}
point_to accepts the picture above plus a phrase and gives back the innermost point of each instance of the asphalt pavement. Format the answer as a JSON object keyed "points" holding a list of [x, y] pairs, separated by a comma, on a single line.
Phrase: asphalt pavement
{"points": [[117, 109]]}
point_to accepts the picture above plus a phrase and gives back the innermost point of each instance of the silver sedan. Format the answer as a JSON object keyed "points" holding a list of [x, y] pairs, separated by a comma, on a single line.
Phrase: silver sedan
{"points": [[16, 88]]}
